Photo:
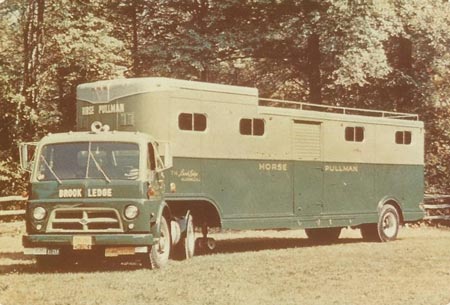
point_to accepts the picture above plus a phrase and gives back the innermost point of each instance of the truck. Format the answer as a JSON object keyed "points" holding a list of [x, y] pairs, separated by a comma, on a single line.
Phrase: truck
{"points": [[155, 161]]}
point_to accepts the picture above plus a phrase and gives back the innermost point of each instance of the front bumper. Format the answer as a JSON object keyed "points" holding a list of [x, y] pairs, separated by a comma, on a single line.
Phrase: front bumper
{"points": [[66, 240]]}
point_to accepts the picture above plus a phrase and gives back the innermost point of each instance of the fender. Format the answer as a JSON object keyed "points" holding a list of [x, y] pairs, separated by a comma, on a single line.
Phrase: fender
{"points": [[163, 206], [397, 204], [211, 201]]}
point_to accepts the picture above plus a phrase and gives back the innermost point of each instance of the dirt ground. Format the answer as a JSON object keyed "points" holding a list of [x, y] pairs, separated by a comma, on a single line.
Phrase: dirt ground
{"points": [[262, 267]]}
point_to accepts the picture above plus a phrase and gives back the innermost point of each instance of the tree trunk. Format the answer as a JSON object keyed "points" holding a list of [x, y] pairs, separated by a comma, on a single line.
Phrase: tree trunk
{"points": [[405, 55], [136, 69], [313, 71], [33, 44], [404, 90], [199, 15]]}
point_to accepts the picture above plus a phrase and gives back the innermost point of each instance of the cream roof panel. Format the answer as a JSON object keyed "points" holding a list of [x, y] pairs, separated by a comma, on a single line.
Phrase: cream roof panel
{"points": [[109, 90], [110, 136]]}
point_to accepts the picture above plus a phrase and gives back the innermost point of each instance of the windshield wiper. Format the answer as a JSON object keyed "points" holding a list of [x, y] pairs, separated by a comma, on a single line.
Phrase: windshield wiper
{"points": [[97, 165], [50, 169]]}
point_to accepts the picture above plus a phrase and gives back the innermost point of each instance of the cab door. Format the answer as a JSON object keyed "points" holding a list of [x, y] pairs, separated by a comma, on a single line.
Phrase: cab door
{"points": [[156, 183]]}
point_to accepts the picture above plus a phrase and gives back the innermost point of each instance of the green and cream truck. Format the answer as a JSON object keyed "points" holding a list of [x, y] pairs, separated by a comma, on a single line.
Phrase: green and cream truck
{"points": [[154, 160]]}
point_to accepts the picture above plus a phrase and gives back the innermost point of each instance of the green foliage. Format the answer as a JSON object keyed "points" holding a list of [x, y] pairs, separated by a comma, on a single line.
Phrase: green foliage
{"points": [[437, 140], [357, 38], [79, 47]]}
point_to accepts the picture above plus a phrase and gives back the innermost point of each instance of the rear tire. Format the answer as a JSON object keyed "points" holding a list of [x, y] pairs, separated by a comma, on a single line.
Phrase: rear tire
{"points": [[387, 227], [388, 224], [185, 249], [323, 235]]}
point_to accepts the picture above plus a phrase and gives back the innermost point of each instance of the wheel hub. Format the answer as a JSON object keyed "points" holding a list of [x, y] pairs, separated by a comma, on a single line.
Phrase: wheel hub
{"points": [[389, 225], [161, 244]]}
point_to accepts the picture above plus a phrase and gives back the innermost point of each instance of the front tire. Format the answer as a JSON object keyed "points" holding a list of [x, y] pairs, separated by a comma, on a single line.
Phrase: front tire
{"points": [[159, 254]]}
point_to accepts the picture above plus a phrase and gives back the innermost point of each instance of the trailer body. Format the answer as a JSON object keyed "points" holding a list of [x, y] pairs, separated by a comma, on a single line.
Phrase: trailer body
{"points": [[264, 164]]}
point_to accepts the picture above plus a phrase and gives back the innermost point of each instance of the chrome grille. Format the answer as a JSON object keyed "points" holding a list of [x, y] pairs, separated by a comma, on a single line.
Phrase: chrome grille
{"points": [[84, 220]]}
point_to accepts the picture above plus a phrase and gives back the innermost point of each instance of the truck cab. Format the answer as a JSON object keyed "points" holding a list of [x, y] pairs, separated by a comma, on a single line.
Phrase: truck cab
{"points": [[100, 192]]}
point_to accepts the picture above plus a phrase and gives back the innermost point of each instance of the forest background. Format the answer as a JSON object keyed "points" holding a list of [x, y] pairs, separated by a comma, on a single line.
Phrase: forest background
{"points": [[391, 55]]}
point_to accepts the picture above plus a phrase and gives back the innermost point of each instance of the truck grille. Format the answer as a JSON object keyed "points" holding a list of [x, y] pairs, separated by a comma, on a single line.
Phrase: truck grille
{"points": [[84, 220]]}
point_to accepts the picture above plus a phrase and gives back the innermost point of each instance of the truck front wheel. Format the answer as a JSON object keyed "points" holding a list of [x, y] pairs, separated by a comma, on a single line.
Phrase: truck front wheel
{"points": [[159, 253]]}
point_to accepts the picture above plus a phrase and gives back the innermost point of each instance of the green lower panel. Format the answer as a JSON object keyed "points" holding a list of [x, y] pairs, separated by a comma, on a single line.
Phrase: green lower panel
{"points": [[261, 194], [241, 188], [349, 188], [404, 183]]}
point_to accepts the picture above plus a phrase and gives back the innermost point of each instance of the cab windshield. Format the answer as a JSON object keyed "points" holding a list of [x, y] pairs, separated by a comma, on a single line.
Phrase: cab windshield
{"points": [[88, 160]]}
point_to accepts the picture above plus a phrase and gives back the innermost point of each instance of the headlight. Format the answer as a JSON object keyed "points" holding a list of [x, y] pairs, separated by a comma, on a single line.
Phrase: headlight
{"points": [[131, 212], [39, 213]]}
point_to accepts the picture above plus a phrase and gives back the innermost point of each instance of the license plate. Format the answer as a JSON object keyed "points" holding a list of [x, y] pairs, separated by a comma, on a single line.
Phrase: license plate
{"points": [[40, 251], [112, 252], [82, 242]]}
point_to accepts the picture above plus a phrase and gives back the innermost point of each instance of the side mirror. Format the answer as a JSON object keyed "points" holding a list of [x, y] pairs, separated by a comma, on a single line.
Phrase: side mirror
{"points": [[26, 153], [164, 156]]}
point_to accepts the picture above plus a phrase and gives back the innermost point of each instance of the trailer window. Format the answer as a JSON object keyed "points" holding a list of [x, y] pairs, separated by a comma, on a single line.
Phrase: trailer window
{"points": [[252, 127], [192, 121], [84, 123], [126, 119], [354, 134], [403, 137]]}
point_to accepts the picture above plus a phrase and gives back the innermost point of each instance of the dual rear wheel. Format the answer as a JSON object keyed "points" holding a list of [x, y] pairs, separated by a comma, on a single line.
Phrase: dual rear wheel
{"points": [[161, 252], [185, 249], [387, 227]]}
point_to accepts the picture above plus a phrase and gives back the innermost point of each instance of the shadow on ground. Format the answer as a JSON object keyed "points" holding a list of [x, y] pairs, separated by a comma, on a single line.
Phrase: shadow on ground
{"points": [[252, 244], [27, 265], [17, 263]]}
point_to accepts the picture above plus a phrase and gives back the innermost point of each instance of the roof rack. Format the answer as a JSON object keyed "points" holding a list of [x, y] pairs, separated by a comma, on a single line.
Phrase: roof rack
{"points": [[336, 109]]}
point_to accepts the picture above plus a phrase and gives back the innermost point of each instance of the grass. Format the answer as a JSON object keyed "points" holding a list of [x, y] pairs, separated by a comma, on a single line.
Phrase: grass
{"points": [[267, 267]]}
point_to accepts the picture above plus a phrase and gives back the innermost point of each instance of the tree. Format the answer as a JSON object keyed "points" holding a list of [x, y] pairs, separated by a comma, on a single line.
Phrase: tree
{"points": [[60, 44], [82, 49], [390, 55]]}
